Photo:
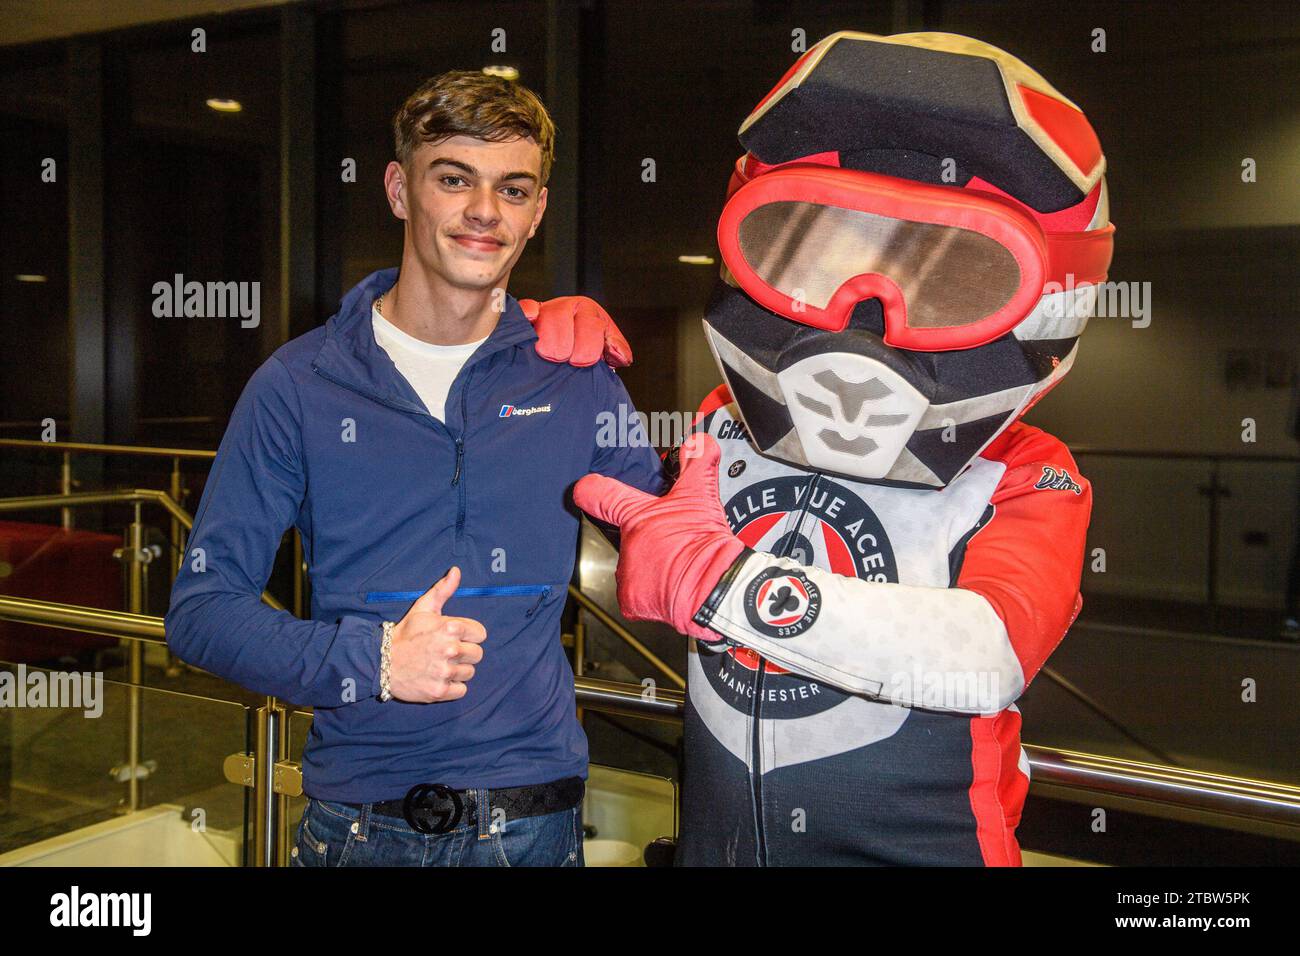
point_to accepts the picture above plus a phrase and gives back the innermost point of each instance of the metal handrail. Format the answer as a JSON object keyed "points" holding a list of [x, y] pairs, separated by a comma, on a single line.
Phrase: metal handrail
{"points": [[137, 496], [147, 451], [1261, 806], [92, 620], [631, 700]]}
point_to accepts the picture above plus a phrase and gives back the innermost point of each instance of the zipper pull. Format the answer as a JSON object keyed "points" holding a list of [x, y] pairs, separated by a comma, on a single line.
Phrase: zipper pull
{"points": [[540, 598], [460, 456]]}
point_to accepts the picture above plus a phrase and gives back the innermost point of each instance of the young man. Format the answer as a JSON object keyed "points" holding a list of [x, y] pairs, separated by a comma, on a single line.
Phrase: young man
{"points": [[419, 437]]}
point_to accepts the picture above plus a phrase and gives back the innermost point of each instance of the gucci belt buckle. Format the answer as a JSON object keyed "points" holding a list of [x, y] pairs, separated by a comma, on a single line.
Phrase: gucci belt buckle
{"points": [[433, 808]]}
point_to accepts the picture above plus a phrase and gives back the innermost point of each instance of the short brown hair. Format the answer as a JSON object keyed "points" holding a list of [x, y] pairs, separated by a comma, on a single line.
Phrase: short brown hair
{"points": [[468, 103]]}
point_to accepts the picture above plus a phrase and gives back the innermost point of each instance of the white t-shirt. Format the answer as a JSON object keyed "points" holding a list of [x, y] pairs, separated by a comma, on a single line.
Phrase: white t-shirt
{"points": [[429, 368]]}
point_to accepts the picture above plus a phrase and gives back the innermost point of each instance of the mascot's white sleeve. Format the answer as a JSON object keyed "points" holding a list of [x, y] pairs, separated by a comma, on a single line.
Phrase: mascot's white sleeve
{"points": [[970, 648]]}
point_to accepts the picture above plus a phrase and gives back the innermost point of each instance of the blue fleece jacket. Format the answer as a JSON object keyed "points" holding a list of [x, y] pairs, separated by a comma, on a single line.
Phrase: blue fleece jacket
{"points": [[329, 437]]}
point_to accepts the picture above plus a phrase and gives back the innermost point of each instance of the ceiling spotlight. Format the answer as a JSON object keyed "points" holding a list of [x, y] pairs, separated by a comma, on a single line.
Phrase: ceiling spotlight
{"points": [[501, 70], [30, 277], [696, 260], [224, 105]]}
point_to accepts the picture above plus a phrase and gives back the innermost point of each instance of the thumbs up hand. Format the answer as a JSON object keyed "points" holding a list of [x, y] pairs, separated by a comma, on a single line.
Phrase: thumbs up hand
{"points": [[433, 655]]}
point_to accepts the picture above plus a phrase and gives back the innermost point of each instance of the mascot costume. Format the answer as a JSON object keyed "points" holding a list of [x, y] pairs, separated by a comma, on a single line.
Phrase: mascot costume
{"points": [[873, 555]]}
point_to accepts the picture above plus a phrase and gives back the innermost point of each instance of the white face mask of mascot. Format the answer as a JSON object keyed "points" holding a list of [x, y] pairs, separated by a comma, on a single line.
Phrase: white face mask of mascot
{"points": [[911, 247]]}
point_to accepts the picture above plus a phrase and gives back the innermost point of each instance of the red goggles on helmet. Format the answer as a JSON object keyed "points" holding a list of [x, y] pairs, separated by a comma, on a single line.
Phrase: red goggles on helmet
{"points": [[953, 268]]}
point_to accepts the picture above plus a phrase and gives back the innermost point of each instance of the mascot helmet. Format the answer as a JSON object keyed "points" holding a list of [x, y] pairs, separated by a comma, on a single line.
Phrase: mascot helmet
{"points": [[911, 246]]}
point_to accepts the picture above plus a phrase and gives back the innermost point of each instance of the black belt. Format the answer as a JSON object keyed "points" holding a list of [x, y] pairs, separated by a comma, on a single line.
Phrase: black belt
{"points": [[435, 808]]}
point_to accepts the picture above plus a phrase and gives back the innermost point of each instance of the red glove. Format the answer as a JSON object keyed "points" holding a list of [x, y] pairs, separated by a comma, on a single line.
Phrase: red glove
{"points": [[674, 549], [576, 330]]}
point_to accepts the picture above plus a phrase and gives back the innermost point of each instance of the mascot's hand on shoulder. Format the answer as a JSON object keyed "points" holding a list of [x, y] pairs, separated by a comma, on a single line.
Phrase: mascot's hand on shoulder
{"points": [[675, 549], [575, 330]]}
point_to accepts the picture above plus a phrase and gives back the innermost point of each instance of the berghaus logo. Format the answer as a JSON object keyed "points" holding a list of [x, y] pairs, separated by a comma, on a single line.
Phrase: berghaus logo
{"points": [[510, 411]]}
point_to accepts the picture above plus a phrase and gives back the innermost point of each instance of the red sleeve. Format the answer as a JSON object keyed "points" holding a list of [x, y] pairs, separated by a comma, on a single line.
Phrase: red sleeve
{"points": [[1027, 560]]}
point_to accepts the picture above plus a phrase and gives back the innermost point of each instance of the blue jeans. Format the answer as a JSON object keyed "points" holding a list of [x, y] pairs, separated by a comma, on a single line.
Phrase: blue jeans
{"points": [[332, 834]]}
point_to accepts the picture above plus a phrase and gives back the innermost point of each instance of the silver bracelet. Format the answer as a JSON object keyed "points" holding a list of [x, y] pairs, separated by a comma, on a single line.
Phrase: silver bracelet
{"points": [[385, 653]]}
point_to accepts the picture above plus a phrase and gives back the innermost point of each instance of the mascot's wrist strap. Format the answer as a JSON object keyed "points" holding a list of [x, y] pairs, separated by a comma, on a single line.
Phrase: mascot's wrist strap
{"points": [[704, 615]]}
